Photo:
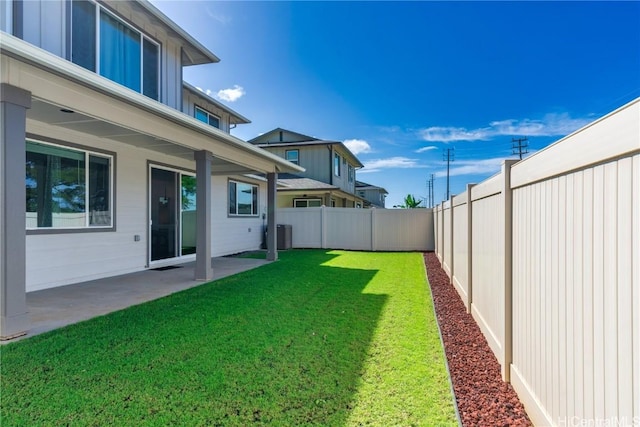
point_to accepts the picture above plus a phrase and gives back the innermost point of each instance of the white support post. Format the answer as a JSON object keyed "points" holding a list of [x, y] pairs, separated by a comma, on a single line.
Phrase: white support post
{"points": [[203, 269], [14, 319], [272, 232]]}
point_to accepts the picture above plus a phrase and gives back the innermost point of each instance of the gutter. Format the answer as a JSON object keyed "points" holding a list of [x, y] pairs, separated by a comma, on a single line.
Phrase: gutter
{"points": [[26, 52]]}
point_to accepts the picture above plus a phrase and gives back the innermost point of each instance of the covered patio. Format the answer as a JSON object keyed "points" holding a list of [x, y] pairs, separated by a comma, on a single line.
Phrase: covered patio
{"points": [[46, 98], [54, 308]]}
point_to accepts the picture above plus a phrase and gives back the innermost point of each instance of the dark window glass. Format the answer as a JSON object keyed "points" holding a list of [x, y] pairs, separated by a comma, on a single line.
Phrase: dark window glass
{"points": [[214, 121], [55, 186], [254, 207], [119, 52], [293, 156], [150, 76], [232, 198], [83, 34], [99, 191], [202, 115]]}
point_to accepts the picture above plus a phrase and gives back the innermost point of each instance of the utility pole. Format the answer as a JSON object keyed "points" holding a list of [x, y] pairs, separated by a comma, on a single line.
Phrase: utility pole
{"points": [[448, 157], [430, 191], [519, 144]]}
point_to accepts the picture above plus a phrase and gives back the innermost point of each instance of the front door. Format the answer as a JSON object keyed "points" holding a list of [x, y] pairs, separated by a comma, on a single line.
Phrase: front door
{"points": [[164, 214]]}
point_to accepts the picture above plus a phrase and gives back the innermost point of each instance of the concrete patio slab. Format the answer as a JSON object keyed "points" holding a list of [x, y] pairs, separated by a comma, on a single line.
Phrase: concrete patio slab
{"points": [[56, 307]]}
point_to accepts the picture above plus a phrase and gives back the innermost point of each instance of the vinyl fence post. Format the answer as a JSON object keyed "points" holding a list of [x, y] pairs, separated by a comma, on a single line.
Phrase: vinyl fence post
{"points": [[508, 268], [451, 238], [323, 226], [469, 247], [374, 240]]}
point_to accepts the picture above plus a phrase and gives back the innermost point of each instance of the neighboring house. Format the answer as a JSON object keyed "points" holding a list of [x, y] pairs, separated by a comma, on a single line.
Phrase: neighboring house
{"points": [[118, 178], [373, 196], [330, 170]]}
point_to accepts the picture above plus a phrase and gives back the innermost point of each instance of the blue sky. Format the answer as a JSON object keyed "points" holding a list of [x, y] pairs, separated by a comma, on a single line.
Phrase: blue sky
{"points": [[400, 82]]}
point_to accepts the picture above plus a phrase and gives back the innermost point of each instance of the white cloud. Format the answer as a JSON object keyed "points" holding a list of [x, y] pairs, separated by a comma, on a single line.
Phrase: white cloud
{"points": [[208, 92], [549, 125], [473, 167], [425, 149], [222, 19], [390, 163], [357, 146], [231, 94]]}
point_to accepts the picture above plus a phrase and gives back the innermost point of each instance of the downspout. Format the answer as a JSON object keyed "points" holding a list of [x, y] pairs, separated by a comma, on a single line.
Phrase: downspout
{"points": [[330, 148]]}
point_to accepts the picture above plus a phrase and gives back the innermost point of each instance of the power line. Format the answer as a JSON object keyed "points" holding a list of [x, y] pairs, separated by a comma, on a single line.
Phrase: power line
{"points": [[521, 145], [448, 157]]}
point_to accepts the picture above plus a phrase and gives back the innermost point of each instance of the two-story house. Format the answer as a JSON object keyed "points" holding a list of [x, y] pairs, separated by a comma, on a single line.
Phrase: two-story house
{"points": [[109, 163], [374, 196], [329, 178]]}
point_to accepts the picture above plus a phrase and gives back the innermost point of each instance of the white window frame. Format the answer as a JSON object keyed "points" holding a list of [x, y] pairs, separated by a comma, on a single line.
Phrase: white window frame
{"points": [[286, 156], [306, 201], [253, 208], [209, 115], [143, 37], [87, 153]]}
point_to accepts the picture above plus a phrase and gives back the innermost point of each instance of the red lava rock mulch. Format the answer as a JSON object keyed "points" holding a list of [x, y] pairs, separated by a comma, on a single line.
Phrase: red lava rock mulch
{"points": [[483, 398]]}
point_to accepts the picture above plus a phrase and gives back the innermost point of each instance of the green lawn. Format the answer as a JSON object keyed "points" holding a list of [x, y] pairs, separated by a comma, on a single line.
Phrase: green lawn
{"points": [[327, 338]]}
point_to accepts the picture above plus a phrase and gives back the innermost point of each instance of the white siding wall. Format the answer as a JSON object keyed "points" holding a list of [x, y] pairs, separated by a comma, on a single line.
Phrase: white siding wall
{"points": [[60, 259], [235, 234], [44, 25]]}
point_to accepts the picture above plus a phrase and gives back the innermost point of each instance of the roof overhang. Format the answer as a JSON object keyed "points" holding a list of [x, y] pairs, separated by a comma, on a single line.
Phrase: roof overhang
{"points": [[193, 52], [109, 110]]}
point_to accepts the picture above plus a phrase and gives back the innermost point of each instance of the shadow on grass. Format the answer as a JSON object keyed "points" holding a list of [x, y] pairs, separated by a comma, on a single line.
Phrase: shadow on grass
{"points": [[283, 344]]}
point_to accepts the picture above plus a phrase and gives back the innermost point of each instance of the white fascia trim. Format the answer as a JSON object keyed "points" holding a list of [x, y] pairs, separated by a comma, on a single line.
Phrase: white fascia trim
{"points": [[182, 33], [21, 50]]}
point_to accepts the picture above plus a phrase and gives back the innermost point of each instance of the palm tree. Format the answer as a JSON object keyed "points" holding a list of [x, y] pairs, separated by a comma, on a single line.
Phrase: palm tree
{"points": [[410, 202]]}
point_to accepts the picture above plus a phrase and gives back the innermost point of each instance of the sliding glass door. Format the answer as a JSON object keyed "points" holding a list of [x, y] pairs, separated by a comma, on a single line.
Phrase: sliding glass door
{"points": [[172, 213]]}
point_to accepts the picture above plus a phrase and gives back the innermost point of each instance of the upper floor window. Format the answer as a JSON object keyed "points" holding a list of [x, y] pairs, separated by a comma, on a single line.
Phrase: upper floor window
{"points": [[243, 199], [67, 187], [293, 156], [207, 117], [336, 164], [352, 174], [103, 43]]}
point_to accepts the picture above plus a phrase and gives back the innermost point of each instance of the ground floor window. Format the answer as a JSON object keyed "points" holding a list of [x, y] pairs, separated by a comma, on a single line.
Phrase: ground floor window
{"points": [[243, 199], [67, 187], [307, 203]]}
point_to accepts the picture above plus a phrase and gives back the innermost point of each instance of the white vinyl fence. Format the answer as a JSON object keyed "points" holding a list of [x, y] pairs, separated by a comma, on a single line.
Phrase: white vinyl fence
{"points": [[546, 257], [360, 229]]}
